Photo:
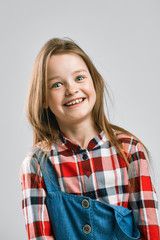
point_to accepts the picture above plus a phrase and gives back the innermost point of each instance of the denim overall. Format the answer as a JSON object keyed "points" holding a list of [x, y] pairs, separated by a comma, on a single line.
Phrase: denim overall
{"points": [[75, 217]]}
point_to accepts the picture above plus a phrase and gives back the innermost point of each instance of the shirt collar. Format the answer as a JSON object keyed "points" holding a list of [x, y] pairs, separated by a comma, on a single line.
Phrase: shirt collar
{"points": [[94, 142]]}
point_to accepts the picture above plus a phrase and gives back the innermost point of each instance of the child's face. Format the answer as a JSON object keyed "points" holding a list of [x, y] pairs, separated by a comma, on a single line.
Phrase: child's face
{"points": [[65, 85]]}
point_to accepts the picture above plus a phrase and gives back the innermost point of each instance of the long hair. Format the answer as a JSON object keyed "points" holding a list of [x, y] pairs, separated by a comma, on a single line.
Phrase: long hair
{"points": [[43, 121]]}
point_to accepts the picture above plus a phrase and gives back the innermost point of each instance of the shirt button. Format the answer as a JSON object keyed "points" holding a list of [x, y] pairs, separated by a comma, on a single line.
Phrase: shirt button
{"points": [[85, 203], [85, 156], [86, 229], [88, 173]]}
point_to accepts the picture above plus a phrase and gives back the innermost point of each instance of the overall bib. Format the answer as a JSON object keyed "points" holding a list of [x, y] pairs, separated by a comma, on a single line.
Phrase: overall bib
{"points": [[75, 217]]}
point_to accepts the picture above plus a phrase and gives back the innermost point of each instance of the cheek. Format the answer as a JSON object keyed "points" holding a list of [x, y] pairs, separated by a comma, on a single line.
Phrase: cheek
{"points": [[53, 98], [52, 103], [92, 96], [93, 92], [95, 97], [90, 87]]}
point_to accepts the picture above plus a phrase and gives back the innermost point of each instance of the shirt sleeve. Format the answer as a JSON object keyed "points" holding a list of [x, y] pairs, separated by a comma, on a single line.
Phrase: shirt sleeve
{"points": [[33, 202], [143, 199]]}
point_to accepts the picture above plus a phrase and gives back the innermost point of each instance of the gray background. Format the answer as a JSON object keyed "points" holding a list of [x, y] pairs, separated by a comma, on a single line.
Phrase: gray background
{"points": [[121, 37]]}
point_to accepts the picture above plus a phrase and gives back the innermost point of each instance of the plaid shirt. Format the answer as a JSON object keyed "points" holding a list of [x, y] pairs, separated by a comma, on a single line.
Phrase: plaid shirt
{"points": [[97, 172]]}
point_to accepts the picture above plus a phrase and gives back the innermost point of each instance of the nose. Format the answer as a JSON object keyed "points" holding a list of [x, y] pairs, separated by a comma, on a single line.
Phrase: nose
{"points": [[71, 89]]}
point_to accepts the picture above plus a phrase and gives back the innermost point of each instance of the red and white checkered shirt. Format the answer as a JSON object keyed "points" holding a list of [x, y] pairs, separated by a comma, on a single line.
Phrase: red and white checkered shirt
{"points": [[97, 172]]}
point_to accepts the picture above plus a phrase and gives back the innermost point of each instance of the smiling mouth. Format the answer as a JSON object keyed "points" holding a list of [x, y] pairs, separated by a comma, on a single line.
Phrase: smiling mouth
{"points": [[74, 102]]}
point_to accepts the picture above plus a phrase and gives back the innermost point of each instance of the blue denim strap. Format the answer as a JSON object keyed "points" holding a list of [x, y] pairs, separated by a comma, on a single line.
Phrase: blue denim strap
{"points": [[48, 172]]}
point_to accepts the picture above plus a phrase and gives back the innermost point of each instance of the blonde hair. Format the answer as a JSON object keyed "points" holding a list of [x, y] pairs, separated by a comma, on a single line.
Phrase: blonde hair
{"points": [[43, 121]]}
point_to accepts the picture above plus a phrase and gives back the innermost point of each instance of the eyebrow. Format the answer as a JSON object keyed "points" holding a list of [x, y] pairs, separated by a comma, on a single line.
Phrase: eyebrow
{"points": [[77, 71]]}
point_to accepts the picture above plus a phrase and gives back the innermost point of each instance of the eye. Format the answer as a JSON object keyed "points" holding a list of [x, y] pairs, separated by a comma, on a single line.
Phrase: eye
{"points": [[56, 85], [79, 78]]}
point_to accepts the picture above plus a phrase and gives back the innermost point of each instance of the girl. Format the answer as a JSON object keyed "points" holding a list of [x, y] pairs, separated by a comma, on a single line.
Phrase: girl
{"points": [[85, 178]]}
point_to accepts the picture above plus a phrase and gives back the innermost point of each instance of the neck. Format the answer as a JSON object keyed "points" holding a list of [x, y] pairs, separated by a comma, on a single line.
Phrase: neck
{"points": [[80, 133]]}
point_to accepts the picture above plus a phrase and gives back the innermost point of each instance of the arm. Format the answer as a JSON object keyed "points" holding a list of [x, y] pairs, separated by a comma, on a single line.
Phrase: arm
{"points": [[33, 202], [143, 199]]}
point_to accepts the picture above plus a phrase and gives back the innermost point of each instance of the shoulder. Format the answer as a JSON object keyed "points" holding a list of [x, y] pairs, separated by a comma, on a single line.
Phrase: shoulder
{"points": [[139, 155], [30, 171], [129, 143], [30, 162]]}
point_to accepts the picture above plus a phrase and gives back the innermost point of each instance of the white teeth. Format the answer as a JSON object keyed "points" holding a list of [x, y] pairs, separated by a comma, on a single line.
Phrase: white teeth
{"points": [[74, 102]]}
